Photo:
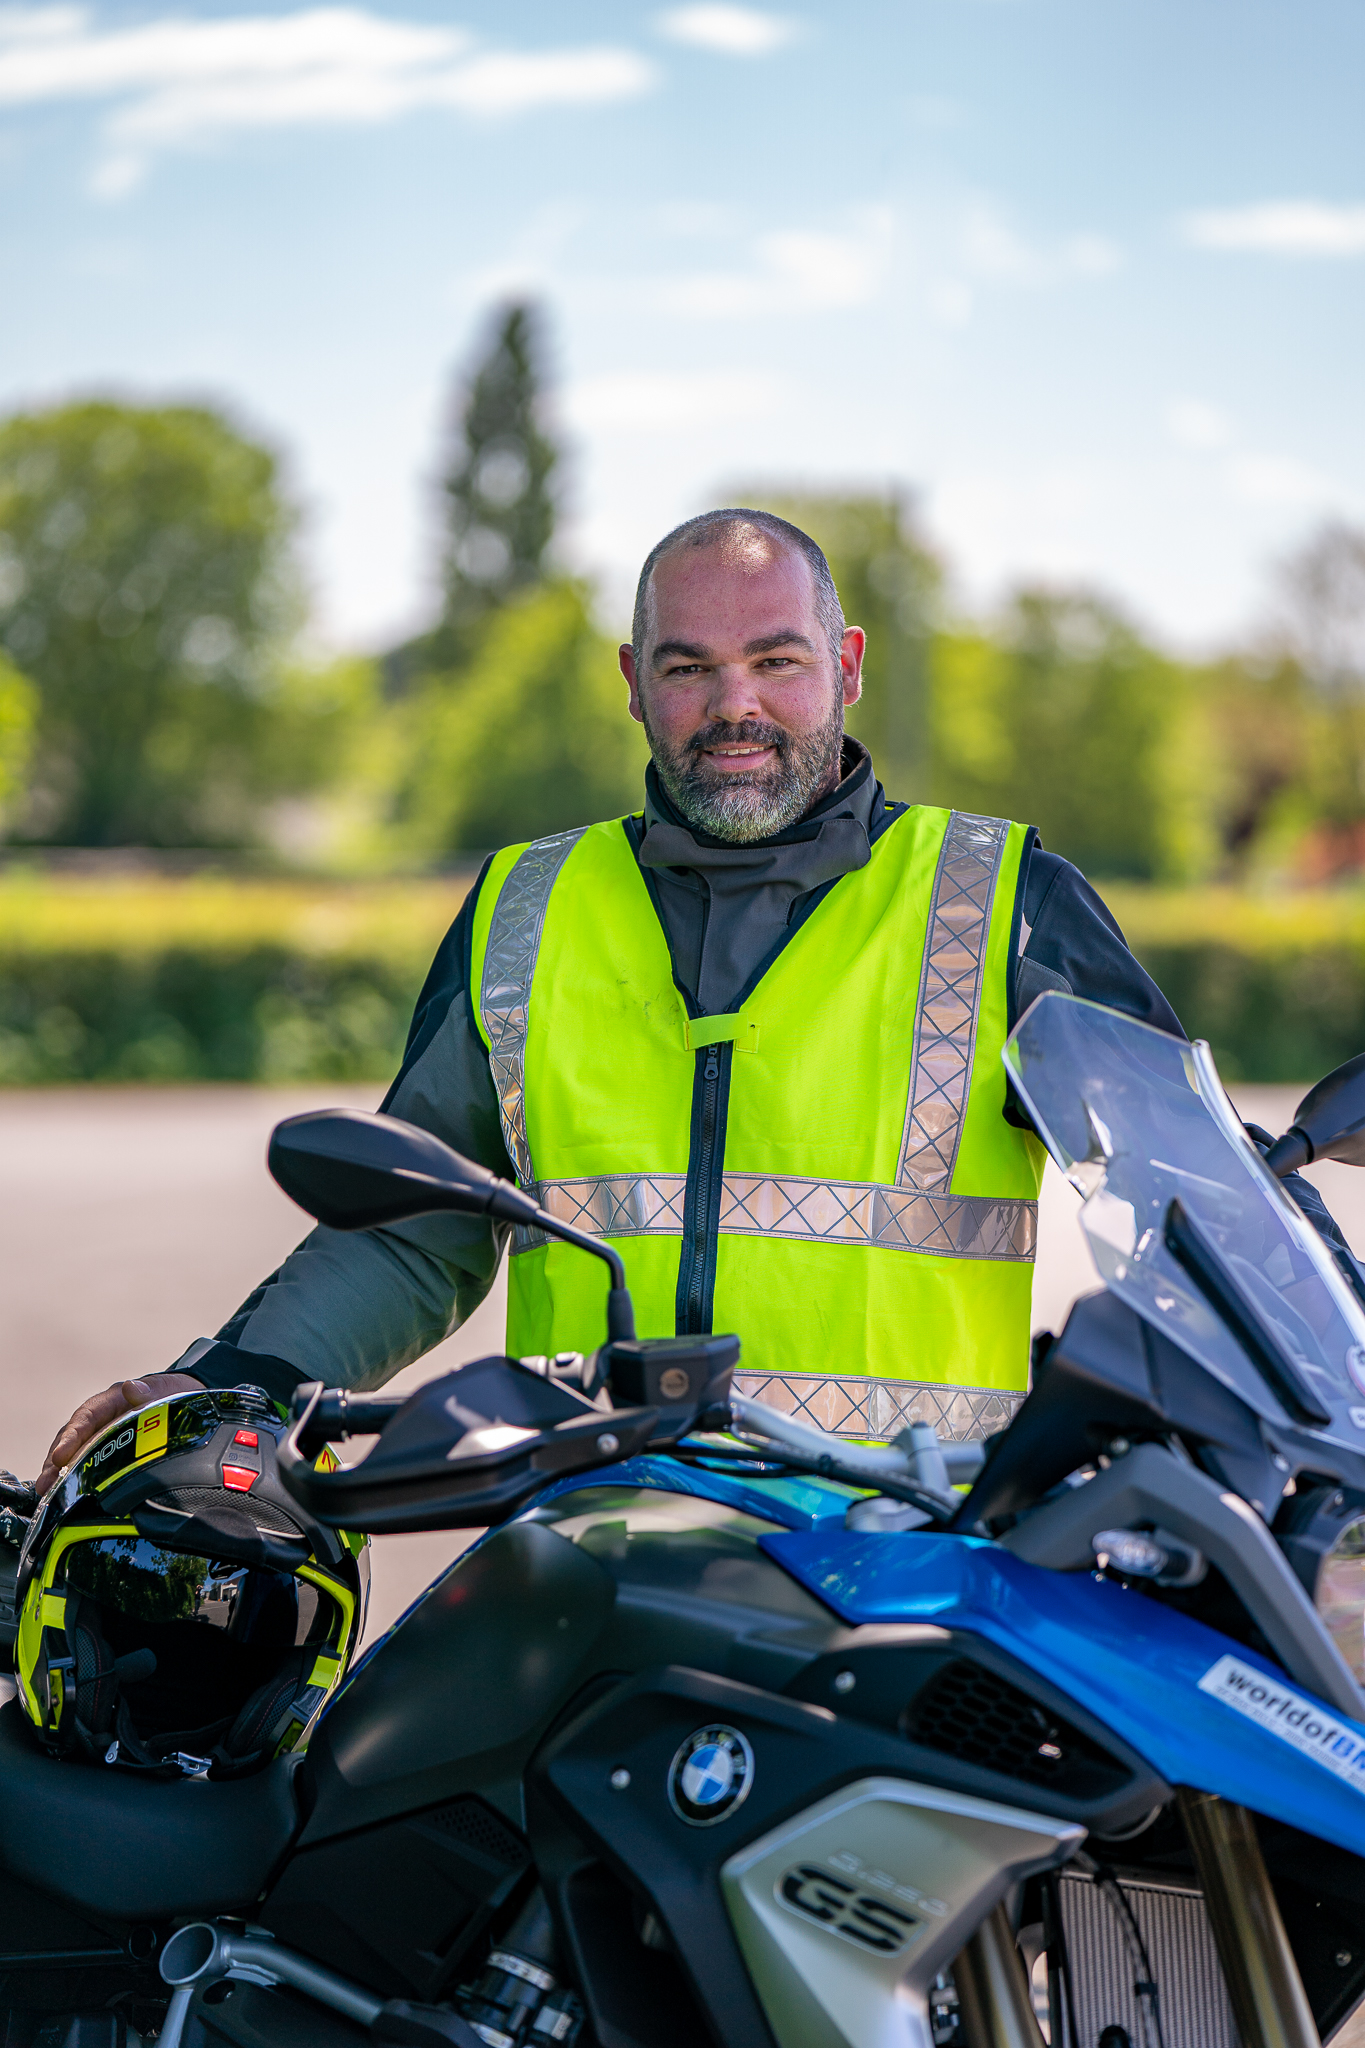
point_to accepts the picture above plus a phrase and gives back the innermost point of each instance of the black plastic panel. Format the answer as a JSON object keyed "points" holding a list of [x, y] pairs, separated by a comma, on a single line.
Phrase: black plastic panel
{"points": [[456, 1698], [248, 2016], [398, 1906]]}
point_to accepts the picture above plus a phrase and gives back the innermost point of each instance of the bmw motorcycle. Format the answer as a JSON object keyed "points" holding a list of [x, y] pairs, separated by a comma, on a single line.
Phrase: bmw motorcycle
{"points": [[730, 1733]]}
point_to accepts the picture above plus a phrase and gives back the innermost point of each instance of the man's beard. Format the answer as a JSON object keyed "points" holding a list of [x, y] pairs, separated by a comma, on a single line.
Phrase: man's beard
{"points": [[744, 805]]}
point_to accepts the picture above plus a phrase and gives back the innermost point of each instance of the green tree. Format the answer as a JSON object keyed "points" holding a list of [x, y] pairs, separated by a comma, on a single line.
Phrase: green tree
{"points": [[144, 587], [498, 497], [1064, 717], [18, 716], [500, 515], [889, 583], [531, 737], [1305, 688]]}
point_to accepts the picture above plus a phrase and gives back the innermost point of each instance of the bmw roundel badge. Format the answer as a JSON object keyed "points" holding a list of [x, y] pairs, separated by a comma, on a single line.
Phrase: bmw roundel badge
{"points": [[710, 1776]]}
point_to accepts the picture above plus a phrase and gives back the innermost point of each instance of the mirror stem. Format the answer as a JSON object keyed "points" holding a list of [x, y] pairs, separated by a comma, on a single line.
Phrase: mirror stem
{"points": [[620, 1308], [1289, 1153]]}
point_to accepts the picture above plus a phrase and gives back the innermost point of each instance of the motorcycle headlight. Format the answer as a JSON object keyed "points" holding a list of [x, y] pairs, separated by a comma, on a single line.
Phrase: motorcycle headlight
{"points": [[1339, 1595], [1323, 1536]]}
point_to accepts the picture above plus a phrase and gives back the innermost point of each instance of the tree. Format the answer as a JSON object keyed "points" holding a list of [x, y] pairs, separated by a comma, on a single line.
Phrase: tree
{"points": [[531, 737], [18, 715], [1322, 594], [500, 514], [1062, 716], [888, 582], [498, 502], [145, 587]]}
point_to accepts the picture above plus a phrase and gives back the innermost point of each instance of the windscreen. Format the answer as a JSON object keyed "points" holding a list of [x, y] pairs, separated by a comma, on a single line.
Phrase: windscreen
{"points": [[1184, 1221]]}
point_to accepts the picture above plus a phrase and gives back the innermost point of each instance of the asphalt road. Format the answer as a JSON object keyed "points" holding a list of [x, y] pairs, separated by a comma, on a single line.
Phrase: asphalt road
{"points": [[134, 1220]]}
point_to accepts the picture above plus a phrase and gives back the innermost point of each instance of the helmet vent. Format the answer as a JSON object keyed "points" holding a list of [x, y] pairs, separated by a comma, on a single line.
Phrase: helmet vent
{"points": [[252, 1514]]}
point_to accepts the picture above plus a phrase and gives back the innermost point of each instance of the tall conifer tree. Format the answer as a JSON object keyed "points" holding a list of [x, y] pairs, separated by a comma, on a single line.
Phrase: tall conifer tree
{"points": [[497, 496], [500, 513]]}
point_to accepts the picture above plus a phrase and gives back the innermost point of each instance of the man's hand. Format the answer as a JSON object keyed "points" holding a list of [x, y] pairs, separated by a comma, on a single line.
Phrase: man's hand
{"points": [[100, 1410]]}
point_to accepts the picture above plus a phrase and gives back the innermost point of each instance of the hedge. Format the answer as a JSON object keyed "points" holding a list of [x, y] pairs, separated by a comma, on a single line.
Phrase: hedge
{"points": [[211, 979], [215, 979], [1275, 983]]}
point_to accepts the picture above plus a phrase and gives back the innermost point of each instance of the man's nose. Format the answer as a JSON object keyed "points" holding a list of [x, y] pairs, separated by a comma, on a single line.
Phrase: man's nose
{"points": [[733, 696]]}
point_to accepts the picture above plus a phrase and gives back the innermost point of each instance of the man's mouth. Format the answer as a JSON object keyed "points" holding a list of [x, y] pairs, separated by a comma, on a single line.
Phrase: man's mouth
{"points": [[741, 754]]}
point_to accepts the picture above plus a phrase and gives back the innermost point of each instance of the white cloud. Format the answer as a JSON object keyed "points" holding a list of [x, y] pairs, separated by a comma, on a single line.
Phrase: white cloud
{"points": [[1281, 227], [176, 80], [991, 248], [650, 401], [1193, 424], [733, 31], [810, 270], [1251, 475], [1091, 255], [951, 302], [1279, 480]]}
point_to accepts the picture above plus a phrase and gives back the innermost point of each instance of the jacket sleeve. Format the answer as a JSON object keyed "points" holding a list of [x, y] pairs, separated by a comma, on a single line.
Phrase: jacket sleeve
{"points": [[353, 1308], [1066, 938]]}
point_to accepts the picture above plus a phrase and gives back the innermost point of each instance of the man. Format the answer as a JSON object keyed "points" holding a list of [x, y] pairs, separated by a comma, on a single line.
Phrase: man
{"points": [[754, 1033]]}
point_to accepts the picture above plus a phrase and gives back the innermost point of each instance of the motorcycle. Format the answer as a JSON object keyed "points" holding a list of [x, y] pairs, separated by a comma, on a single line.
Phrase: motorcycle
{"points": [[731, 1731]]}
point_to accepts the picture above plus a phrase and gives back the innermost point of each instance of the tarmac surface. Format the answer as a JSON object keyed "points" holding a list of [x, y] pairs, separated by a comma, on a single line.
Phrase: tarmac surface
{"points": [[134, 1220]]}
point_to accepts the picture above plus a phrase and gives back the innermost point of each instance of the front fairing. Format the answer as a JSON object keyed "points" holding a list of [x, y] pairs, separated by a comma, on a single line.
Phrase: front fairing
{"points": [[1134, 1664]]}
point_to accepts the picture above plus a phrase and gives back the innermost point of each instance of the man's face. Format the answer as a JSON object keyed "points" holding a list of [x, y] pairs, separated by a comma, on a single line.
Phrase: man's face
{"points": [[738, 689]]}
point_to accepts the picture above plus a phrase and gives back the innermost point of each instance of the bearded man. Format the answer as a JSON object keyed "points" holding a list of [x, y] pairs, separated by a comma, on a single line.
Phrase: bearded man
{"points": [[751, 1033]]}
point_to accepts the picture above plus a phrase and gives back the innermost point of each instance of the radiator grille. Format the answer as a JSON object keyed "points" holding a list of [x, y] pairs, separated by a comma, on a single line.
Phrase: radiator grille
{"points": [[1195, 2012]]}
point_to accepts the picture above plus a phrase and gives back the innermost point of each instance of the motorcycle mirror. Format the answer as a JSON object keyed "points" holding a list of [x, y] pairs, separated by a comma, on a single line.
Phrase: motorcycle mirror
{"points": [[354, 1170], [1328, 1124]]}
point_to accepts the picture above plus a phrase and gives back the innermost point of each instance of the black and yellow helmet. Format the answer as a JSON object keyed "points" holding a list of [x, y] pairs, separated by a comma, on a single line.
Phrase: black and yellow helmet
{"points": [[177, 1609]]}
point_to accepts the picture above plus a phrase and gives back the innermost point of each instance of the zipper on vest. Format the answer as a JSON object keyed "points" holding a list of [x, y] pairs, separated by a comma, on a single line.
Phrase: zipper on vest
{"points": [[697, 1271]]}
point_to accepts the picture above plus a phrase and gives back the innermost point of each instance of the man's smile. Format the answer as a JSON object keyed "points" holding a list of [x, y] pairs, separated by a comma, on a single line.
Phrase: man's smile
{"points": [[739, 757]]}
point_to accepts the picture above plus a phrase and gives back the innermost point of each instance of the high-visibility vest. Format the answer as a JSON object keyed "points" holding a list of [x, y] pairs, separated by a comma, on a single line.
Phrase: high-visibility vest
{"points": [[825, 1169]]}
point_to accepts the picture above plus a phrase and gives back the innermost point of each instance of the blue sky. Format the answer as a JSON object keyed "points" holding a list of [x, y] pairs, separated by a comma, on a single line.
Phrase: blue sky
{"points": [[1087, 277]]}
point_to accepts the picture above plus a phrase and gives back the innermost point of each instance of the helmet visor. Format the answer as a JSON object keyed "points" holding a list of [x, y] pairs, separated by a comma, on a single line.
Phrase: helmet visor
{"points": [[249, 1604]]}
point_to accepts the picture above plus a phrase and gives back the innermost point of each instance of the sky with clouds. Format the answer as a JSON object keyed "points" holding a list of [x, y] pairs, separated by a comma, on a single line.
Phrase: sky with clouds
{"points": [[1087, 278]]}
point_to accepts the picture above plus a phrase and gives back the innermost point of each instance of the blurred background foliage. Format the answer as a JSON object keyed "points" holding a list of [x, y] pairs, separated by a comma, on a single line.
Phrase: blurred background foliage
{"points": [[156, 693]]}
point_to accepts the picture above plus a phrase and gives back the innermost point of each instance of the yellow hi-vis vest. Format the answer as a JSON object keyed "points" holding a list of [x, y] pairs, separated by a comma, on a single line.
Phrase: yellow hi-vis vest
{"points": [[825, 1170]]}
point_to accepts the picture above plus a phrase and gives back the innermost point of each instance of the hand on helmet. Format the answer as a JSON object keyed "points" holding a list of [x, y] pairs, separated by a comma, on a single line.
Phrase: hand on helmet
{"points": [[100, 1410]]}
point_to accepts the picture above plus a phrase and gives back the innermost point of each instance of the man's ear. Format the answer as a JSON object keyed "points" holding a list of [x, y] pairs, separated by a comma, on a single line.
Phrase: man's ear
{"points": [[851, 663], [625, 655]]}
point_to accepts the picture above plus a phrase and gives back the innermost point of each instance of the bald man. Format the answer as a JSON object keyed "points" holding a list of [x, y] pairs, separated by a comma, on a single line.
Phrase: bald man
{"points": [[751, 1034]]}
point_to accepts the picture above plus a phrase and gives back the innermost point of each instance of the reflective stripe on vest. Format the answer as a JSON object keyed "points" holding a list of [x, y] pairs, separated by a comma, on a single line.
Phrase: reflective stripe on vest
{"points": [[914, 1210]]}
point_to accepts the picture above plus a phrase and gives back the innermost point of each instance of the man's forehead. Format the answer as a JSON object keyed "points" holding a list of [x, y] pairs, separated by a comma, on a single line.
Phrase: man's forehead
{"points": [[756, 587]]}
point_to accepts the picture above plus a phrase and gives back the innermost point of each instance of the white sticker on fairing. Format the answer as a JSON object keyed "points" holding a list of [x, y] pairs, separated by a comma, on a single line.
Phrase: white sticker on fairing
{"points": [[1295, 1719]]}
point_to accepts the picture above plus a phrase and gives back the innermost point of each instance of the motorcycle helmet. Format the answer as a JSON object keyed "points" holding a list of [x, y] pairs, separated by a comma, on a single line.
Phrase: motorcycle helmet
{"points": [[177, 1610]]}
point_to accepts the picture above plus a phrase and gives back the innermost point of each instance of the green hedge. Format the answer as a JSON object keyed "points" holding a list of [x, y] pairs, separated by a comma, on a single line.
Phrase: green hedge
{"points": [[211, 981], [1276, 984], [218, 980]]}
